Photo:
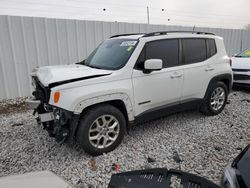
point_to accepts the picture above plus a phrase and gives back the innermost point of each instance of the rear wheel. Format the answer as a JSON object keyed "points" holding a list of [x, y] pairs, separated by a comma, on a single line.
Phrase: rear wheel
{"points": [[101, 129], [215, 99]]}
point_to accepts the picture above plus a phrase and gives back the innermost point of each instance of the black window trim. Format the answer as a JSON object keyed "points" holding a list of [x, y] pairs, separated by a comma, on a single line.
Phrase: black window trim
{"points": [[181, 57], [136, 63]]}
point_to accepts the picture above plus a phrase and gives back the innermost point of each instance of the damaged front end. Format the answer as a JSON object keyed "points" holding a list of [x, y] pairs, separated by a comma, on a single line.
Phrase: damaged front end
{"points": [[59, 123]]}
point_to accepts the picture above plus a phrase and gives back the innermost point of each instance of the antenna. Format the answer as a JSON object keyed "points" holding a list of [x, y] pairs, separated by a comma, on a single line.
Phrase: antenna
{"points": [[148, 14], [193, 28]]}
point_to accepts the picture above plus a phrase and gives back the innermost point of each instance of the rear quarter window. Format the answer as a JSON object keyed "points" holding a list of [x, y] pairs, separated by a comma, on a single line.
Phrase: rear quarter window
{"points": [[211, 48]]}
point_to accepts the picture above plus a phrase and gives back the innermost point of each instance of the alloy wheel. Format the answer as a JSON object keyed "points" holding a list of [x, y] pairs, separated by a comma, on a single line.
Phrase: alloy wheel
{"points": [[217, 98], [104, 131]]}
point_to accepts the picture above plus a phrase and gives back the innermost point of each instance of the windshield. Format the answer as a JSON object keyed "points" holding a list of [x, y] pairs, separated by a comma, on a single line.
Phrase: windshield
{"points": [[112, 54], [245, 53]]}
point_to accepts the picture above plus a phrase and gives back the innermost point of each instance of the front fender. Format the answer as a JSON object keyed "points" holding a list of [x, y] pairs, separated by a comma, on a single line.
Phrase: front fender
{"points": [[104, 98]]}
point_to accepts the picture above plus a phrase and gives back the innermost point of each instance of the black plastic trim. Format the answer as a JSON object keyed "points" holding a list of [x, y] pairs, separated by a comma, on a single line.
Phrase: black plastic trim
{"points": [[243, 85], [220, 77], [73, 124], [168, 109], [127, 34], [158, 178], [144, 102], [241, 77], [241, 70], [157, 33], [238, 158]]}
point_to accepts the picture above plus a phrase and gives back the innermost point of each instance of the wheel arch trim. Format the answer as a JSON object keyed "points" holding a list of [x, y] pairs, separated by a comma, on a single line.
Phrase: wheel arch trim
{"points": [[226, 76], [106, 98]]}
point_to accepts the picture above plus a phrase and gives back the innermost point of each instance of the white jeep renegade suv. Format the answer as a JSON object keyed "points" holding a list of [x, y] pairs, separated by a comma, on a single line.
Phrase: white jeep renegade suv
{"points": [[128, 79]]}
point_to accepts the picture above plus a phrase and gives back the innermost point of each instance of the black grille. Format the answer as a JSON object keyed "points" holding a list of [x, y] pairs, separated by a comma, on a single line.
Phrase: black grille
{"points": [[41, 93], [241, 70], [241, 77]]}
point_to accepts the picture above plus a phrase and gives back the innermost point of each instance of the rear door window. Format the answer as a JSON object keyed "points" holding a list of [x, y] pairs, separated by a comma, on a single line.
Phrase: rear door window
{"points": [[194, 50]]}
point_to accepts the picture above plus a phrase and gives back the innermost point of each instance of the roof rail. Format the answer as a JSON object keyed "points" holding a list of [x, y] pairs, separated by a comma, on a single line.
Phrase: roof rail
{"points": [[127, 34], [157, 33]]}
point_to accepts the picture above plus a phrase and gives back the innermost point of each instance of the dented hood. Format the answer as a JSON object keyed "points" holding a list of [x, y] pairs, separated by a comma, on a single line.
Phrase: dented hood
{"points": [[60, 73]]}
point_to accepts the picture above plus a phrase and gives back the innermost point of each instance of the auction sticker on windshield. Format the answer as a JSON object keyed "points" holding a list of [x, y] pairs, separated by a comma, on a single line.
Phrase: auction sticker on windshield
{"points": [[128, 43]]}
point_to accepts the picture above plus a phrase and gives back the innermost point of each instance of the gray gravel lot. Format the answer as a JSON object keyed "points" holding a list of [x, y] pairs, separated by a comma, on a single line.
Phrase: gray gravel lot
{"points": [[205, 145]]}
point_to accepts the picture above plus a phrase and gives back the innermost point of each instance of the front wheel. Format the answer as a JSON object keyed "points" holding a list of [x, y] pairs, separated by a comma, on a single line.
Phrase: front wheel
{"points": [[101, 129], [215, 99]]}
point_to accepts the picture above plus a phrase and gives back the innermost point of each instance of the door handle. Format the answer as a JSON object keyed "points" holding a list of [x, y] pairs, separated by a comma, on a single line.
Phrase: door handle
{"points": [[209, 68], [175, 75]]}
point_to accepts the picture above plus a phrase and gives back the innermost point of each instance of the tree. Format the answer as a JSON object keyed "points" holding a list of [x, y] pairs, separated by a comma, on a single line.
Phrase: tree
{"points": [[247, 27]]}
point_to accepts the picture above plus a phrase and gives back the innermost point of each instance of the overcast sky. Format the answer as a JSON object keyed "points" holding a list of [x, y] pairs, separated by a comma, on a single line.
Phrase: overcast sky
{"points": [[204, 13]]}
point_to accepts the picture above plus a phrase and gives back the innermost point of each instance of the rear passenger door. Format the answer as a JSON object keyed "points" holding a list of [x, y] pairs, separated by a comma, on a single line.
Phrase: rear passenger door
{"points": [[197, 67], [158, 88]]}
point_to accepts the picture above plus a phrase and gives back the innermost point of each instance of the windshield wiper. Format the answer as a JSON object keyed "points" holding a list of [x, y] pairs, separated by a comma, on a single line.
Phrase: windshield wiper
{"points": [[91, 66], [81, 62]]}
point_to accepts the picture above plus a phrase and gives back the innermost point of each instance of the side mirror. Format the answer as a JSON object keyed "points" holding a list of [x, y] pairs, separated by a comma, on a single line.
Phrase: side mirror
{"points": [[152, 65]]}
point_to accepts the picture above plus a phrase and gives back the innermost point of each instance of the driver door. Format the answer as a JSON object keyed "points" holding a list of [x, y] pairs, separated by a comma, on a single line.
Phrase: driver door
{"points": [[162, 88]]}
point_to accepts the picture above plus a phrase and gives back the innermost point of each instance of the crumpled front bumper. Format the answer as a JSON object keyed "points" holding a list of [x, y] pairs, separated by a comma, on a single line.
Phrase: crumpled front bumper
{"points": [[59, 123], [41, 117]]}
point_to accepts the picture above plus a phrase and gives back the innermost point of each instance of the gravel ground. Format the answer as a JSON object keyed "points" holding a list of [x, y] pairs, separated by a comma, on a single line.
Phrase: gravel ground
{"points": [[188, 141]]}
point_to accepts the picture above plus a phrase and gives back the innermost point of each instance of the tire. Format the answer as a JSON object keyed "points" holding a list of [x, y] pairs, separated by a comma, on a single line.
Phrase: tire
{"points": [[209, 104], [101, 129]]}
